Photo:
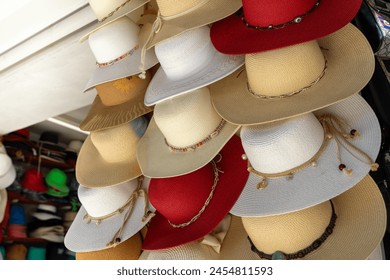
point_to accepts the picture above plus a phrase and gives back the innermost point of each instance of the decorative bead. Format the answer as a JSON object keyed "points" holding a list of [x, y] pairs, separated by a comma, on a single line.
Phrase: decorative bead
{"points": [[347, 171], [270, 26], [353, 132], [329, 136], [142, 75], [297, 19], [314, 163], [374, 166], [262, 185], [278, 255], [341, 167], [117, 240], [97, 222], [244, 157]]}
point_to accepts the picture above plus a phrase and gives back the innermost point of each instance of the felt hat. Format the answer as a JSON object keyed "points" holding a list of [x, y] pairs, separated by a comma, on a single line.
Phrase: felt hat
{"points": [[306, 160], [56, 180], [214, 188], [290, 81], [108, 156], [117, 102], [33, 180], [36, 253], [266, 25], [7, 171], [183, 71], [184, 134], [109, 216], [355, 232]]}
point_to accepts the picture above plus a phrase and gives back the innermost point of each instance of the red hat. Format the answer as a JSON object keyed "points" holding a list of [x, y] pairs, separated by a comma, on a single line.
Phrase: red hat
{"points": [[33, 180], [269, 24], [197, 201]]}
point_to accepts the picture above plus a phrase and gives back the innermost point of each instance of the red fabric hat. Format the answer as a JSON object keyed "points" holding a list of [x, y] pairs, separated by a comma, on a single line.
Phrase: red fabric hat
{"points": [[33, 180], [180, 199], [290, 22]]}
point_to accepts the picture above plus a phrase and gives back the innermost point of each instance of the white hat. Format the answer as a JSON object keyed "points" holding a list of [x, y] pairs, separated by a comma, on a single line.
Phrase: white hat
{"points": [[7, 171], [281, 147], [74, 146], [188, 61]]}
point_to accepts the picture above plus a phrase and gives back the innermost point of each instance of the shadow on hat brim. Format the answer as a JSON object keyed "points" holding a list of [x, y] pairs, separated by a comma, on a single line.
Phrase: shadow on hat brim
{"points": [[211, 11], [157, 161], [231, 36], [314, 185], [350, 66]]}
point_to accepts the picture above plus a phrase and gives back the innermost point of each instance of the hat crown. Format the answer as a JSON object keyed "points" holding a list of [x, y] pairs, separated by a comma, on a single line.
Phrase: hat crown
{"points": [[289, 232], [186, 54], [122, 90], [282, 145], [56, 177], [5, 164], [47, 207], [74, 146], [99, 202], [103, 8], [176, 7], [285, 70], [268, 12], [187, 119], [33, 180], [114, 40]]}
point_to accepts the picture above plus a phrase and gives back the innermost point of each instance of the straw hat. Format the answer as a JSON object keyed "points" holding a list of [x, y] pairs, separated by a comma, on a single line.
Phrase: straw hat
{"points": [[3, 203], [109, 216], [358, 229], [194, 131], [214, 188], [188, 62], [175, 17], [117, 102], [108, 156], [127, 250], [290, 81], [7, 171], [117, 51], [266, 25], [299, 162]]}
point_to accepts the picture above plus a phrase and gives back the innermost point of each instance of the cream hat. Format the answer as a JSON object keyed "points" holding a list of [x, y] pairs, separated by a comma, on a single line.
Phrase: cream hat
{"points": [[7, 171], [3, 203]]}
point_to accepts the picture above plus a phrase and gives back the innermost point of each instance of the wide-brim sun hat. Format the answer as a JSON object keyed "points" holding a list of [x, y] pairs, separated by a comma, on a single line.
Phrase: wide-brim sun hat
{"points": [[183, 71], [214, 188], [109, 216], [117, 51], [108, 156], [292, 22], [286, 82], [177, 17], [358, 228], [297, 163], [184, 134], [7, 171], [117, 102]]}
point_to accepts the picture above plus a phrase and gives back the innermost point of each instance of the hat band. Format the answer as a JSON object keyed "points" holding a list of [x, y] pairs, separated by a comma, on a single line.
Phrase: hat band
{"points": [[334, 128], [279, 255], [207, 202], [129, 53], [193, 147], [295, 20], [114, 11], [271, 97], [129, 205]]}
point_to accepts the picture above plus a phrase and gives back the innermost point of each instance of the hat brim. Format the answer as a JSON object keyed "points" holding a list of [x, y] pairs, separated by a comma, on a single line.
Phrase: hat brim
{"points": [[8, 178], [209, 12], [3, 203], [86, 237], [157, 161], [231, 36], [93, 171], [314, 185], [219, 66], [161, 235], [45, 216], [350, 67]]}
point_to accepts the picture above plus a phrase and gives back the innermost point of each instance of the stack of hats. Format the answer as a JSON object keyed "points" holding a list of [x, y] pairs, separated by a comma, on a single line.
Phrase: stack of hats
{"points": [[258, 146], [49, 148], [72, 151], [17, 222]]}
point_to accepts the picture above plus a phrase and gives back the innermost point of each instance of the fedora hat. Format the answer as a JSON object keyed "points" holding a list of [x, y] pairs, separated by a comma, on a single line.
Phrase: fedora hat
{"points": [[56, 180], [127, 250], [117, 51], [349, 227], [7, 171], [190, 206], [117, 102], [286, 82], [109, 216], [308, 159], [3, 203], [108, 156], [184, 134], [33, 180], [188, 62], [175, 17], [265, 25]]}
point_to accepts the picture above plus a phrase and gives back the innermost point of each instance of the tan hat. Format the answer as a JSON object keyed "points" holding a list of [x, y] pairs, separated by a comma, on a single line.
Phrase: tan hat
{"points": [[294, 80], [108, 156], [184, 134], [117, 102], [352, 235], [127, 250]]}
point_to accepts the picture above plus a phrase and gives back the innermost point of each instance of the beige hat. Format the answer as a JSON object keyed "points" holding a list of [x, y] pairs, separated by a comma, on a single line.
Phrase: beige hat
{"points": [[290, 81], [117, 102], [352, 235], [108, 156], [184, 134], [3, 203]]}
